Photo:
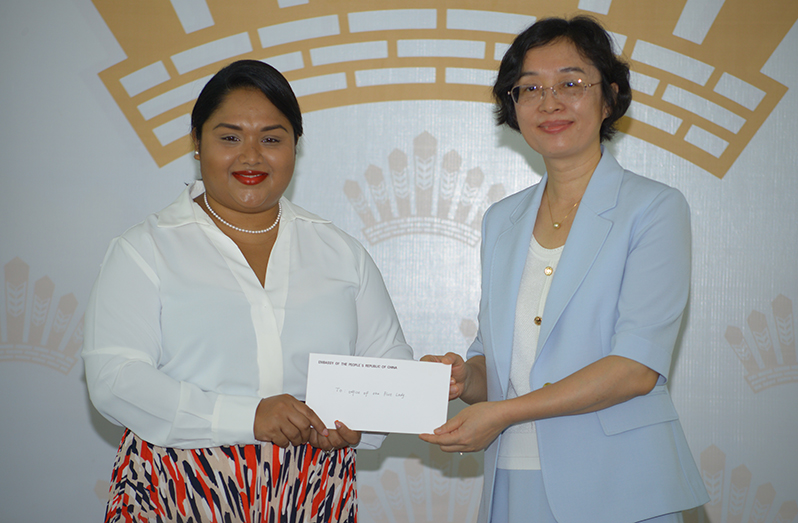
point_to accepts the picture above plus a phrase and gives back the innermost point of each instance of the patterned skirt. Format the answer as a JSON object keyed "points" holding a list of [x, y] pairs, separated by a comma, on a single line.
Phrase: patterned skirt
{"points": [[239, 483]]}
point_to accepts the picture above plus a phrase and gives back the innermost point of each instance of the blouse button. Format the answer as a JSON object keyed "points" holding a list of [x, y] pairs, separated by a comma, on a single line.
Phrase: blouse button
{"points": [[548, 271], [546, 384], [538, 320]]}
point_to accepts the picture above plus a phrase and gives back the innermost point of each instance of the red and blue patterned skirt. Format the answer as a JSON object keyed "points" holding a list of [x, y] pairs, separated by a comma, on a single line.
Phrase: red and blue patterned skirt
{"points": [[239, 483]]}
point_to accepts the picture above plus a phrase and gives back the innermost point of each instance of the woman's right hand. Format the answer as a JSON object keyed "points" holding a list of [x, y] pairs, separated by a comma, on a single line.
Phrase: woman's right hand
{"points": [[339, 438], [284, 419], [459, 372]]}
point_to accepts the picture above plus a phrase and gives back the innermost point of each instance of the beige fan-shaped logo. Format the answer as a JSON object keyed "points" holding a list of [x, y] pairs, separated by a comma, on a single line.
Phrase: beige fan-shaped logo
{"points": [[699, 89], [770, 360], [36, 331], [424, 194], [741, 498]]}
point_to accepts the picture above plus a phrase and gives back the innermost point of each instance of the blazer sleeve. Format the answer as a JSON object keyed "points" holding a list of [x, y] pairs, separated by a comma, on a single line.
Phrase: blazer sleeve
{"points": [[656, 283], [477, 348]]}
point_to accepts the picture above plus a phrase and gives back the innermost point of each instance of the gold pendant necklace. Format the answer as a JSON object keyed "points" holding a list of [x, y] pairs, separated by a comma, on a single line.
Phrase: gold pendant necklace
{"points": [[558, 224]]}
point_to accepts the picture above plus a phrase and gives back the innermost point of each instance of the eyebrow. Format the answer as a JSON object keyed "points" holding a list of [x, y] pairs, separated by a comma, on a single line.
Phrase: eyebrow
{"points": [[262, 130], [573, 69]]}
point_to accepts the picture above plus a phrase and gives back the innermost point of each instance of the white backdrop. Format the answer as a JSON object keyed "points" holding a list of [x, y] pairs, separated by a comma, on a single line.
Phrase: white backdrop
{"points": [[77, 171]]}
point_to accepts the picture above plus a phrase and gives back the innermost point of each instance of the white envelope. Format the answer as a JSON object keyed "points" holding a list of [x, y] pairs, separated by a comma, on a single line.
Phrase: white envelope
{"points": [[377, 394]]}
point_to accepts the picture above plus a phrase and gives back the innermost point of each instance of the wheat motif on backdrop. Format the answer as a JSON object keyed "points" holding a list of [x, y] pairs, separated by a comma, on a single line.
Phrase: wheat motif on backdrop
{"points": [[448, 491], [770, 359], [698, 87], [423, 193], [37, 328], [741, 498]]}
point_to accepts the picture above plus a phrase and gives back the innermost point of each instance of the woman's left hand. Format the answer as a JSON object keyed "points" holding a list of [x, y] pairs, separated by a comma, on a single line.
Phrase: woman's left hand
{"points": [[339, 438], [472, 429]]}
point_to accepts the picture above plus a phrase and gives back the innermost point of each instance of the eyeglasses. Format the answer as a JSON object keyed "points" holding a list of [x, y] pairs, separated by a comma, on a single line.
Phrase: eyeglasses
{"points": [[567, 91]]}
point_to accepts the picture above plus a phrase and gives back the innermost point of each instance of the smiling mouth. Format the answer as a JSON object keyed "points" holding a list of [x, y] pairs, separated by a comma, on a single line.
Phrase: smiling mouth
{"points": [[555, 126], [250, 177]]}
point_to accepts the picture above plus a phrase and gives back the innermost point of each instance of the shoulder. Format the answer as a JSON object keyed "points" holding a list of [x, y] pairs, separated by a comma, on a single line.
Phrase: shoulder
{"points": [[648, 212], [644, 195], [159, 226], [613, 188], [140, 238], [510, 208], [509, 204], [633, 183], [620, 194], [309, 225]]}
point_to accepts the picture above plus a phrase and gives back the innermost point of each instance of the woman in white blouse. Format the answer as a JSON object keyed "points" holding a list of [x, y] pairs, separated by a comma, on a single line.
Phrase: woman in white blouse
{"points": [[202, 318]]}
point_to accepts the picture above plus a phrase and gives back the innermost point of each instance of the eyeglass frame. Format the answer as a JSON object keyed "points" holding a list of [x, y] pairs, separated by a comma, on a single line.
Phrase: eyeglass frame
{"points": [[553, 89]]}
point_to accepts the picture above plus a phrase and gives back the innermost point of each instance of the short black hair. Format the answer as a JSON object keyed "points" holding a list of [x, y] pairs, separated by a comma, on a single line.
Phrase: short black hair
{"points": [[591, 41], [247, 74]]}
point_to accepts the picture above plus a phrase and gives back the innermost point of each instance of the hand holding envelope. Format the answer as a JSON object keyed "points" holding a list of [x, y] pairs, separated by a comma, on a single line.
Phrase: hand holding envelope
{"points": [[459, 372], [377, 394]]}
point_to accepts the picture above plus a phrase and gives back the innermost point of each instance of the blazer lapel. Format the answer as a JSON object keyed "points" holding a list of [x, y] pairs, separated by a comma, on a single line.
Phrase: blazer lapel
{"points": [[588, 233], [506, 268]]}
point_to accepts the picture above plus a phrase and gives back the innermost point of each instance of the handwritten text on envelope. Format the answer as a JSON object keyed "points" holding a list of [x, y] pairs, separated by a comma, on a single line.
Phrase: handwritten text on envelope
{"points": [[377, 394]]}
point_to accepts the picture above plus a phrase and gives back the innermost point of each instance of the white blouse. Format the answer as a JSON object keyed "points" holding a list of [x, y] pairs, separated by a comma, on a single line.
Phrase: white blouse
{"points": [[182, 341]]}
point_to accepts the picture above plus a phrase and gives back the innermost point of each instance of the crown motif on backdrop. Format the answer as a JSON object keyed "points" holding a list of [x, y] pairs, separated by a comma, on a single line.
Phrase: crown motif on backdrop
{"points": [[740, 496], [771, 360], [424, 195], [699, 92], [29, 318]]}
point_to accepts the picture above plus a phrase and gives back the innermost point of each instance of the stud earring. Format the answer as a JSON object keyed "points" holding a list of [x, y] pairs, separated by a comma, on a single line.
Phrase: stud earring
{"points": [[196, 155]]}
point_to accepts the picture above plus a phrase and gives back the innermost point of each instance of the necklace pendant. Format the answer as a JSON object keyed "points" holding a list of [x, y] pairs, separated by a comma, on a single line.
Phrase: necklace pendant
{"points": [[556, 225]]}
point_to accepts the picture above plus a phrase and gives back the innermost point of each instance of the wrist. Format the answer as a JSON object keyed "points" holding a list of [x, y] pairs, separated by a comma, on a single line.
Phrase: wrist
{"points": [[467, 385], [468, 376], [474, 385], [511, 411]]}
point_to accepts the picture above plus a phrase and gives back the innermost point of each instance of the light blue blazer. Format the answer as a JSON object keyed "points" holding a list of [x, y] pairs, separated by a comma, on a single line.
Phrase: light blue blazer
{"points": [[620, 288]]}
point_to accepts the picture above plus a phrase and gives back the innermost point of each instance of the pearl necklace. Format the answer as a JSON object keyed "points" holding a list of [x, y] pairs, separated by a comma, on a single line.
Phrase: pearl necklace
{"points": [[272, 226]]}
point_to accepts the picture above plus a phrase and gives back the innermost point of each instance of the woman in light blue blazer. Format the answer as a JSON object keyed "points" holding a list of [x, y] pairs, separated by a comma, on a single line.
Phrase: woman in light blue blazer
{"points": [[585, 278]]}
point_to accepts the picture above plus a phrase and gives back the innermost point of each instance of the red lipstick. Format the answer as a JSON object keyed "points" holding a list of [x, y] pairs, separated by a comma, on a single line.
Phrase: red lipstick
{"points": [[250, 177]]}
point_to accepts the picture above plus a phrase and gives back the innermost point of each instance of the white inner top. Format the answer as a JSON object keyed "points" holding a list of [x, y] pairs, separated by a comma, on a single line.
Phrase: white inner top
{"points": [[518, 449]]}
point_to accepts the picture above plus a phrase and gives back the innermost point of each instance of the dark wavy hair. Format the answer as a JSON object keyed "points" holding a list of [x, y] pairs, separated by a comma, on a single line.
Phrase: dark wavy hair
{"points": [[591, 41], [247, 74]]}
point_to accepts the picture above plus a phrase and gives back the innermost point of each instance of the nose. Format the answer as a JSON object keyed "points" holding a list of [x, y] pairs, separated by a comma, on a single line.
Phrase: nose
{"points": [[250, 153], [549, 101]]}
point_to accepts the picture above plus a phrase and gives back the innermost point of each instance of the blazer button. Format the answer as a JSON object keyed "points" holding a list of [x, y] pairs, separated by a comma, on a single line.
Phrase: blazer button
{"points": [[537, 320]]}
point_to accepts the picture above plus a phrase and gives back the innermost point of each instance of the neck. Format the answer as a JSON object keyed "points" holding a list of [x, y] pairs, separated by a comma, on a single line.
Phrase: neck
{"points": [[250, 225], [568, 178]]}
